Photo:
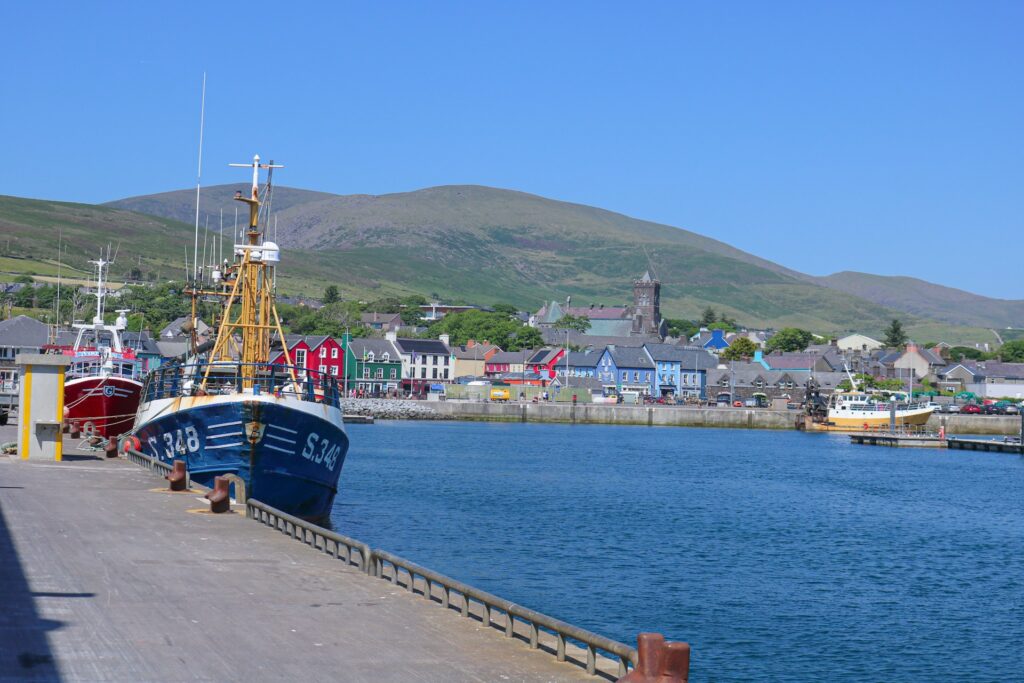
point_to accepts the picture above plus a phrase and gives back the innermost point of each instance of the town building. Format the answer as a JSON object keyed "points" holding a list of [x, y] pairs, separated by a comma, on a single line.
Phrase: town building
{"points": [[471, 358], [374, 367], [626, 369], [858, 342], [642, 318], [384, 322], [425, 362], [680, 371], [20, 334]]}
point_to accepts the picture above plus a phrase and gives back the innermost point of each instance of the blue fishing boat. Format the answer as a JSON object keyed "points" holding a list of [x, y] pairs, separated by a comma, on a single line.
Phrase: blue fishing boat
{"points": [[227, 409]]}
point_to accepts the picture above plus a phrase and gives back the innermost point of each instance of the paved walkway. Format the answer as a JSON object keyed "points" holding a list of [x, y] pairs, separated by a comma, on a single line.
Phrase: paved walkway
{"points": [[104, 579]]}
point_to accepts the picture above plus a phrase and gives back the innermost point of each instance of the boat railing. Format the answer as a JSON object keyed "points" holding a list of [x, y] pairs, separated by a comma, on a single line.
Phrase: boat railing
{"points": [[227, 378]]}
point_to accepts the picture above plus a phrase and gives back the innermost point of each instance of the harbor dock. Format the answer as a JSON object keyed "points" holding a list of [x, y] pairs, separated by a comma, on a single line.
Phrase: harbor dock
{"points": [[107, 576], [990, 445], [898, 440]]}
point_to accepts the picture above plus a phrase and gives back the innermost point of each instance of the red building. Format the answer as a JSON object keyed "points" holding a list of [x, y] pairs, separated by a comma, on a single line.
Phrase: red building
{"points": [[542, 363], [322, 355]]}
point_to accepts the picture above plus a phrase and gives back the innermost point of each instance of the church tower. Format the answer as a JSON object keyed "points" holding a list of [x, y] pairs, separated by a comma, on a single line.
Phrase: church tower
{"points": [[646, 305]]}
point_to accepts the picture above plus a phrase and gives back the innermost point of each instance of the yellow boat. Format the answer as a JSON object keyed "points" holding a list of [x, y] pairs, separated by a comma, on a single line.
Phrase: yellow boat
{"points": [[858, 411]]}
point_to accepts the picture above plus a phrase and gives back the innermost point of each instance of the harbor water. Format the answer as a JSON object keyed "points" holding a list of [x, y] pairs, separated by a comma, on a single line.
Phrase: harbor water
{"points": [[780, 556]]}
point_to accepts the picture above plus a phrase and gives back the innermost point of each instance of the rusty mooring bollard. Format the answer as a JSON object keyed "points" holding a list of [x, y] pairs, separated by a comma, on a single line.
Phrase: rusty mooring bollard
{"points": [[75, 430], [219, 499], [110, 449], [659, 661], [177, 478]]}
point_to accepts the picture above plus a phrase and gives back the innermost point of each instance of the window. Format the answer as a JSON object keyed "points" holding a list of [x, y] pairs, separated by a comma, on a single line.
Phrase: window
{"points": [[625, 376], [334, 352], [379, 374], [300, 357], [334, 370], [366, 373], [323, 352], [446, 373], [446, 359], [636, 375], [323, 369], [369, 356], [434, 376], [423, 373], [393, 373], [385, 356]]}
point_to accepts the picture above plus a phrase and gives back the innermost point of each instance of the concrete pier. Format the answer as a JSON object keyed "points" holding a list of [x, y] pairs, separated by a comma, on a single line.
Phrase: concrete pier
{"points": [[103, 578]]}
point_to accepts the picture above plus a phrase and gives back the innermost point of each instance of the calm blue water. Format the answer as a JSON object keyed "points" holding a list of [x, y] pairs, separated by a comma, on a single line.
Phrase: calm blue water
{"points": [[779, 556]]}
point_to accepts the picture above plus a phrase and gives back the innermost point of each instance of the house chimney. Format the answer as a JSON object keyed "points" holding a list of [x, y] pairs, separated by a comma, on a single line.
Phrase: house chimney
{"points": [[470, 343], [391, 335], [444, 339]]}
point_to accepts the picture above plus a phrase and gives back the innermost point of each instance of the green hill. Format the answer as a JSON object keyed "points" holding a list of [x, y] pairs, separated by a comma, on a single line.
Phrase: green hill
{"points": [[461, 243], [929, 300]]}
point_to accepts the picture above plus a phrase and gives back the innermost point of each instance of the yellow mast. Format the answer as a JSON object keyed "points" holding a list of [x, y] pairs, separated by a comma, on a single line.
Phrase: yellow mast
{"points": [[255, 316]]}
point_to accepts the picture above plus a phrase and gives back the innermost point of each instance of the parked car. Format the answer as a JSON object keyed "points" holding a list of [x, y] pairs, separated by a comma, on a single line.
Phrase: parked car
{"points": [[993, 409], [950, 408], [1012, 409], [970, 409]]}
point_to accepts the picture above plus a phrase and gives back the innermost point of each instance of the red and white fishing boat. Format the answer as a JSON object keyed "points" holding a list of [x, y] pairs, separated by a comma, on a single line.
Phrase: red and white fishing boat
{"points": [[102, 388]]}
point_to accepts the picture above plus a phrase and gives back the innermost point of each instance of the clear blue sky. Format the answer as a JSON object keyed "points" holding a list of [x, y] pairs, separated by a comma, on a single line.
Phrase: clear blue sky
{"points": [[883, 137]]}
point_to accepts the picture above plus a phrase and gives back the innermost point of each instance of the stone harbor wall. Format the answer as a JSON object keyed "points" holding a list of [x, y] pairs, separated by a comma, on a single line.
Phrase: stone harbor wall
{"points": [[391, 409], [742, 418]]}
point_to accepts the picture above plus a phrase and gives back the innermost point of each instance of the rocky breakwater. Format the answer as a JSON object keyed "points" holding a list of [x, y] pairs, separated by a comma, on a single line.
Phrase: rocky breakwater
{"points": [[390, 409]]}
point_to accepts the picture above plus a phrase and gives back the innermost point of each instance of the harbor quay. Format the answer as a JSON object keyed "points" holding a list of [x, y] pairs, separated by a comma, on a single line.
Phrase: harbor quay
{"points": [[108, 576], [651, 415]]}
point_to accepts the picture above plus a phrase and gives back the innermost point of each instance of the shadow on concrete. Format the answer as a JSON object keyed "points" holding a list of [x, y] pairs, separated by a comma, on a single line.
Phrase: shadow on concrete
{"points": [[73, 457], [25, 653]]}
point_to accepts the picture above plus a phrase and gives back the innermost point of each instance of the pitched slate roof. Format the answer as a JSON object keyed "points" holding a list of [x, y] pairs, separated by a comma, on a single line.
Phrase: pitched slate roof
{"points": [[510, 357], [473, 353], [363, 346], [584, 359], [423, 346], [23, 331], [141, 341], [381, 318], [630, 357]]}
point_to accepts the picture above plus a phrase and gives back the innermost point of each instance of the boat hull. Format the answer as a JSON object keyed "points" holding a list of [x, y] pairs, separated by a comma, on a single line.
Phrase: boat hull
{"points": [[108, 403], [876, 418], [288, 451]]}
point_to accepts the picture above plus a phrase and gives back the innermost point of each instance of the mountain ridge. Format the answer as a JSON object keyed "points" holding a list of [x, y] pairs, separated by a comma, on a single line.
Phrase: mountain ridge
{"points": [[324, 220], [468, 243]]}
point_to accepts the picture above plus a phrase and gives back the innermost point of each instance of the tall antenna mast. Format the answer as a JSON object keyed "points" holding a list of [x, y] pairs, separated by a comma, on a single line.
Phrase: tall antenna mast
{"points": [[60, 241], [199, 172]]}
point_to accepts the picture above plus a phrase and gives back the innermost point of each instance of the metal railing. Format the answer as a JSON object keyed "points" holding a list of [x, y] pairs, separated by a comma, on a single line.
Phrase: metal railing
{"points": [[269, 378], [433, 585], [149, 462], [317, 537], [393, 568], [535, 622]]}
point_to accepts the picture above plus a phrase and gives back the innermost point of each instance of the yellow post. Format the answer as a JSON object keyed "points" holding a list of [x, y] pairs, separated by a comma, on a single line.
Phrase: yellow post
{"points": [[26, 408], [59, 453]]}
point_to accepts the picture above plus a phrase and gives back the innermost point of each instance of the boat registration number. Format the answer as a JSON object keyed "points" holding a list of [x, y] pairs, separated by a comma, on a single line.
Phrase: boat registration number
{"points": [[178, 441], [321, 451]]}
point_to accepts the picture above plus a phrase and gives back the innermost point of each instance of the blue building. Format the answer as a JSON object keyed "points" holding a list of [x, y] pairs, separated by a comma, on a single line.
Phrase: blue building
{"points": [[680, 371], [627, 368]]}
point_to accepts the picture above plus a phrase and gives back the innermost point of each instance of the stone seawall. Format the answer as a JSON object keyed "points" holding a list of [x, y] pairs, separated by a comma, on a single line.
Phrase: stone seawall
{"points": [[995, 425], [665, 416]]}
